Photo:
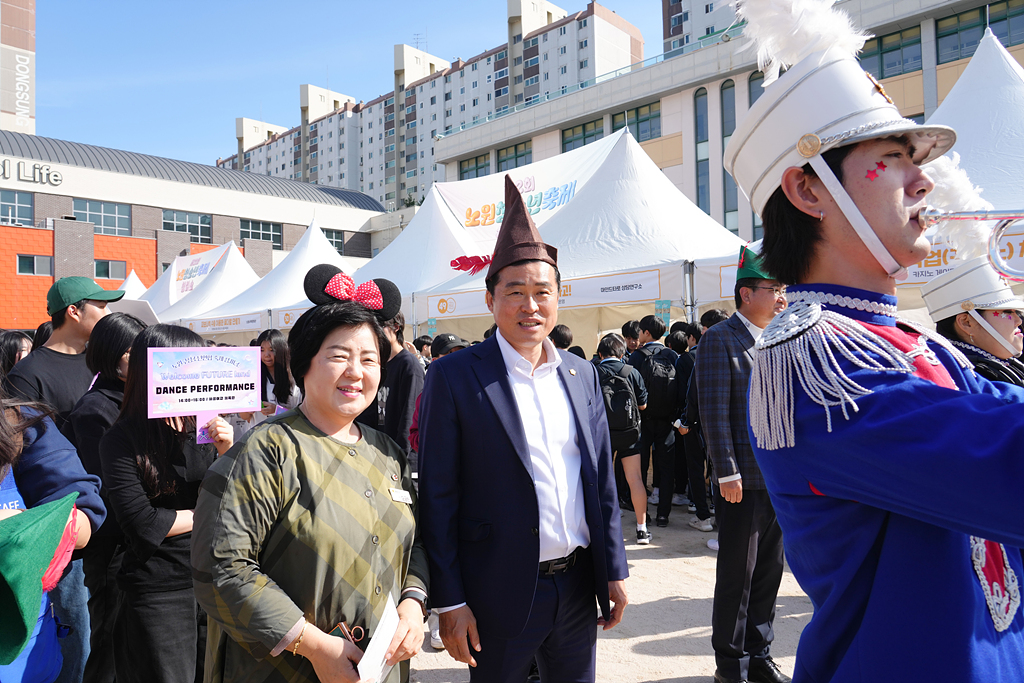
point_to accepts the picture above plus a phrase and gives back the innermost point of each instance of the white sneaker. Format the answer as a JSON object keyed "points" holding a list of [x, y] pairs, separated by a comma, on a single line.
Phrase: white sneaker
{"points": [[713, 544], [433, 623], [653, 498], [680, 499], [701, 524]]}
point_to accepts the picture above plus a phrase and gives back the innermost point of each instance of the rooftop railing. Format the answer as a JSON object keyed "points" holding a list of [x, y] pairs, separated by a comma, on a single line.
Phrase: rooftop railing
{"points": [[722, 36]]}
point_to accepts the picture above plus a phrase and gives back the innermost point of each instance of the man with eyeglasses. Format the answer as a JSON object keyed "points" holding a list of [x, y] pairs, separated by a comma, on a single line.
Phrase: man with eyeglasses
{"points": [[749, 538]]}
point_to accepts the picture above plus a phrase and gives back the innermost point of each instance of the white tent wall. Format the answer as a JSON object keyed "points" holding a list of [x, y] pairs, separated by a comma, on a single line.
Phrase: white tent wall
{"points": [[622, 242], [282, 286], [458, 218], [132, 286], [231, 274]]}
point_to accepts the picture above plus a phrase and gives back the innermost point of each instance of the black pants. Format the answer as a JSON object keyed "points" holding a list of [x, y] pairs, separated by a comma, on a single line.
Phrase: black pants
{"points": [[696, 461], [658, 437], [159, 637], [561, 633], [747, 582], [101, 560]]}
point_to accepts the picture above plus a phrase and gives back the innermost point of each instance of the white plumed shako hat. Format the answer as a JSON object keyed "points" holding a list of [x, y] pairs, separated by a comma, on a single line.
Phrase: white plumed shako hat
{"points": [[968, 286], [824, 100]]}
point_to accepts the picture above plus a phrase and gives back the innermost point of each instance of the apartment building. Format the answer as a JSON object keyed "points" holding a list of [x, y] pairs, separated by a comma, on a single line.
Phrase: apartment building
{"points": [[386, 147], [685, 22], [682, 106], [18, 66]]}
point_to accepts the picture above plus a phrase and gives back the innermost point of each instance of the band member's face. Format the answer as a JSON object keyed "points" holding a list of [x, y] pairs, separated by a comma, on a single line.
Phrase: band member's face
{"points": [[1007, 325], [889, 189], [525, 303]]}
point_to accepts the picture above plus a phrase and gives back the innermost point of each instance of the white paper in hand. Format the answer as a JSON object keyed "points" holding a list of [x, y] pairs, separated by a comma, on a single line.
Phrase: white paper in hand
{"points": [[373, 666]]}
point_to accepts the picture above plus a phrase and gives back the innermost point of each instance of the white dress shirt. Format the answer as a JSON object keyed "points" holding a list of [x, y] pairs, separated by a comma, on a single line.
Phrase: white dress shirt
{"points": [[553, 442], [756, 333]]}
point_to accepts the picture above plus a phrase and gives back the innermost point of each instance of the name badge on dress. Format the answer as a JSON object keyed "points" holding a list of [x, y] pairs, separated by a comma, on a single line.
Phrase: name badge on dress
{"points": [[401, 496]]}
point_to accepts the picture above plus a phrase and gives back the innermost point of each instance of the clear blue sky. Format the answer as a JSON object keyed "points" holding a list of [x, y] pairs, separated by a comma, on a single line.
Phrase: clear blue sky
{"points": [[169, 77]]}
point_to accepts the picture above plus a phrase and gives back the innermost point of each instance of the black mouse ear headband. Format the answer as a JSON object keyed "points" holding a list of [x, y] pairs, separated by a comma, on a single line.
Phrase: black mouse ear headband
{"points": [[327, 284]]}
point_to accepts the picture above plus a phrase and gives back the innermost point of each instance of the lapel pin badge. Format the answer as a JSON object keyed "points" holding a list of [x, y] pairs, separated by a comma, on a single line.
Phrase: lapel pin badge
{"points": [[572, 371]]}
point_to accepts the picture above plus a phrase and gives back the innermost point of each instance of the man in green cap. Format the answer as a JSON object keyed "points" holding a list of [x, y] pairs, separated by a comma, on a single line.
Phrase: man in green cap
{"points": [[750, 541], [56, 373]]}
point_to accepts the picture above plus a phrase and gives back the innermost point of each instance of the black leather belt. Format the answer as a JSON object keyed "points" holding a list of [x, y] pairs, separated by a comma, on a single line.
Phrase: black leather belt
{"points": [[562, 564]]}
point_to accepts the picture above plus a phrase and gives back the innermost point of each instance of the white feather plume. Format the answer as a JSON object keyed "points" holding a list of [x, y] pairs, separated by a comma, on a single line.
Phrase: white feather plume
{"points": [[786, 31], [954, 191]]}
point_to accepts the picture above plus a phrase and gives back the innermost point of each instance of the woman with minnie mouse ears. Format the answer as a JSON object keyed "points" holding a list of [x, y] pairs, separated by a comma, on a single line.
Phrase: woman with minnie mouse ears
{"points": [[310, 524]]}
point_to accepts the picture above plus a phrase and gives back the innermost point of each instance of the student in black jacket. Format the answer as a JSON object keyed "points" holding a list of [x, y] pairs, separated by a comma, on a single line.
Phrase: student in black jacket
{"points": [[152, 469], [107, 356]]}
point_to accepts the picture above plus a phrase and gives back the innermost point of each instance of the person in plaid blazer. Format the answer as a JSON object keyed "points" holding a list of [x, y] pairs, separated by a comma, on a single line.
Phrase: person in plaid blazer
{"points": [[750, 540]]}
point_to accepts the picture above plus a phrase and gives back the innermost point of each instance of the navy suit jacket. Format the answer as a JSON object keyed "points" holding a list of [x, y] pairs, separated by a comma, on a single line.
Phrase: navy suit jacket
{"points": [[478, 506]]}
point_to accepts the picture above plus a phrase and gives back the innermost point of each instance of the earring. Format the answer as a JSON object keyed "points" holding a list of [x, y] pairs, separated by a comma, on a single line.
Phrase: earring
{"points": [[821, 215], [972, 339]]}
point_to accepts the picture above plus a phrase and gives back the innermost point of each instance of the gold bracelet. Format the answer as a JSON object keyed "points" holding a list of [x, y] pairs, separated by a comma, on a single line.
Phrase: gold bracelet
{"points": [[298, 641]]}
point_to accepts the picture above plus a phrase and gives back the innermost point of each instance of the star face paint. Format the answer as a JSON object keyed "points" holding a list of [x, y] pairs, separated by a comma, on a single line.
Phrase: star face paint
{"points": [[873, 173]]}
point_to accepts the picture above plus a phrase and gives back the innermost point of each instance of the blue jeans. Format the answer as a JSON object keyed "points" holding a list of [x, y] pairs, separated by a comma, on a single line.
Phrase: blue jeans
{"points": [[71, 605]]}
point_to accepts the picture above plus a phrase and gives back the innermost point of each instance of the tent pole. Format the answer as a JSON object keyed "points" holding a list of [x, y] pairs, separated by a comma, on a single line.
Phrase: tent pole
{"points": [[415, 321], [689, 305]]}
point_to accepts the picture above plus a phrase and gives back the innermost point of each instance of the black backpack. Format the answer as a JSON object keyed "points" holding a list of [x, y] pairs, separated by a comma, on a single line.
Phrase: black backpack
{"points": [[620, 404], [659, 373]]}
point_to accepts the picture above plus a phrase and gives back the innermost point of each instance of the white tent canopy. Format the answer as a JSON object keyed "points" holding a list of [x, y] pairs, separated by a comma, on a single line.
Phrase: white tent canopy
{"points": [[623, 242], [181, 278], [132, 286], [282, 286], [231, 274], [986, 108], [453, 220]]}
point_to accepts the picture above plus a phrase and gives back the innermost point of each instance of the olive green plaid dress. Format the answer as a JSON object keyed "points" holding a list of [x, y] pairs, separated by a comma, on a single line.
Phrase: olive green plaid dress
{"points": [[292, 523]]}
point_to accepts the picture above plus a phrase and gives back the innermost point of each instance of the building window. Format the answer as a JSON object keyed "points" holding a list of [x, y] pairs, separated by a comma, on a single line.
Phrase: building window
{"points": [[16, 207], [677, 20], [515, 156], [199, 226], [532, 80], [1006, 19], [561, 31], [583, 44], [644, 122], [894, 54], [578, 136], [260, 230], [477, 167], [532, 42], [709, 30], [110, 270], [561, 50], [709, 8], [583, 63], [500, 56], [35, 265], [732, 214], [337, 239], [755, 85], [517, 61], [107, 218], [700, 111], [532, 61], [517, 38], [501, 73], [563, 69], [958, 36], [582, 23]]}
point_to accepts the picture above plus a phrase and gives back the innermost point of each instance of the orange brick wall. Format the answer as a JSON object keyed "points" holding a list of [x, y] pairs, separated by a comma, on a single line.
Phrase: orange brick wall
{"points": [[137, 253], [23, 297]]}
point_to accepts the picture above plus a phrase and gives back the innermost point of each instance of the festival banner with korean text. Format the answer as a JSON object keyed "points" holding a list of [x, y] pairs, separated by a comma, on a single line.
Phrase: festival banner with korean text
{"points": [[238, 323], [191, 270], [613, 289], [943, 257]]}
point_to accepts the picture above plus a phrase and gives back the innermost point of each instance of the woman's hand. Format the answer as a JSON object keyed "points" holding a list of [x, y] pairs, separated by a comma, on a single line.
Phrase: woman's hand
{"points": [[333, 658], [269, 408], [222, 434], [409, 637]]}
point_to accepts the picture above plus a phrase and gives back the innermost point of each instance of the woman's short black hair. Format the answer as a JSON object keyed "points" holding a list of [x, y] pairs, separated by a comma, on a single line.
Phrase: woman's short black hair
{"points": [[112, 336], [790, 235], [10, 347], [43, 333], [313, 326]]}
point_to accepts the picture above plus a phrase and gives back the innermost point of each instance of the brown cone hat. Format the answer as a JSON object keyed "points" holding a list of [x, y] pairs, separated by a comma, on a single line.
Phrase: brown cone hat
{"points": [[518, 239]]}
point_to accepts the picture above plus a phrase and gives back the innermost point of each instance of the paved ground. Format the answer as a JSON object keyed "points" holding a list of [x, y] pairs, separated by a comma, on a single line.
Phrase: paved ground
{"points": [[665, 636]]}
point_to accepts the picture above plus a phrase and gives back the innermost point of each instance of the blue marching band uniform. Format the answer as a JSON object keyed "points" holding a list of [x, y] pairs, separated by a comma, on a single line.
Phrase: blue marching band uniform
{"points": [[895, 472]]}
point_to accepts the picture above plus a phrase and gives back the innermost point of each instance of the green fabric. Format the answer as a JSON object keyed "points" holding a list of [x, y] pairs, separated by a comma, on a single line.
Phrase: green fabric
{"points": [[749, 266], [294, 524], [71, 290], [28, 541]]}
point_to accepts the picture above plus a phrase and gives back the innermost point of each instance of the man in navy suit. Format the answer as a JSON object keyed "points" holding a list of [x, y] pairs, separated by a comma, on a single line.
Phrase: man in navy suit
{"points": [[518, 507]]}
